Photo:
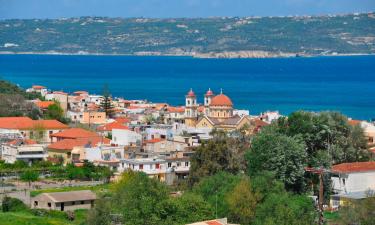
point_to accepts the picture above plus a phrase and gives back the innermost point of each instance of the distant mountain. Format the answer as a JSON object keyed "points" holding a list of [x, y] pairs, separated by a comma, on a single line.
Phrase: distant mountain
{"points": [[205, 37]]}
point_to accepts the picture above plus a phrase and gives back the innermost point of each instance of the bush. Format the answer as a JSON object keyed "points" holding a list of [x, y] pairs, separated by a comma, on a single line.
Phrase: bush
{"points": [[49, 213], [12, 205]]}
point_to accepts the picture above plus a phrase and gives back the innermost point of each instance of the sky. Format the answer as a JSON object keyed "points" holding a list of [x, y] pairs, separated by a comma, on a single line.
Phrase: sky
{"points": [[27, 9]]}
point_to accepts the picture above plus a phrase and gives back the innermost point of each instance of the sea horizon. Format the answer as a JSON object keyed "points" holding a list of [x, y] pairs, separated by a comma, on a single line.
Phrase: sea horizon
{"points": [[317, 83]]}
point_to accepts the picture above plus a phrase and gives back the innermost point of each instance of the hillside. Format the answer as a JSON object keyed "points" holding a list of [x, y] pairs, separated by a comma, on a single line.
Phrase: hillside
{"points": [[208, 37]]}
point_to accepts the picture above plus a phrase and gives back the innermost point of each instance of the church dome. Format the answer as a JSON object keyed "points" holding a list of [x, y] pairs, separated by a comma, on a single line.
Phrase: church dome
{"points": [[191, 93], [209, 92], [221, 100]]}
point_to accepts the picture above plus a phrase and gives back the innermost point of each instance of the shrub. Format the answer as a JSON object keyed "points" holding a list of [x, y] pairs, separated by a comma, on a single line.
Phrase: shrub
{"points": [[12, 205]]}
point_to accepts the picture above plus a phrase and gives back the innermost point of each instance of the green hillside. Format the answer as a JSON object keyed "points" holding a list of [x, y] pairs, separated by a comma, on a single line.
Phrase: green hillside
{"points": [[345, 34]]}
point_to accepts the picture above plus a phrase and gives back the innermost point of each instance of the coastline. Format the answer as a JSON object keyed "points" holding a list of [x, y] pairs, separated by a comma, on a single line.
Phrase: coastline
{"points": [[211, 55]]}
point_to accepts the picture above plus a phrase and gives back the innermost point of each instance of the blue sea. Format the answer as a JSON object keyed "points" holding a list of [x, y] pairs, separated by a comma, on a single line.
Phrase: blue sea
{"points": [[345, 84]]}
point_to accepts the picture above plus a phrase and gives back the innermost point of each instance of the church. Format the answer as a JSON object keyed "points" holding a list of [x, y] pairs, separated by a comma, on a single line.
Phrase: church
{"points": [[217, 112]]}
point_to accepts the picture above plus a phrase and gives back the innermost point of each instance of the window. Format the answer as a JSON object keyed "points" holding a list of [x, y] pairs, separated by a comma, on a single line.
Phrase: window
{"points": [[157, 166], [178, 164], [169, 165], [141, 166], [82, 202], [73, 203], [186, 164], [49, 204], [35, 203]]}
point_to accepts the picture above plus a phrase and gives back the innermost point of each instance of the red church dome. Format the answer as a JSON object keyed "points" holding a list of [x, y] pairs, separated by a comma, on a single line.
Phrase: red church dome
{"points": [[221, 100], [209, 92], [191, 93]]}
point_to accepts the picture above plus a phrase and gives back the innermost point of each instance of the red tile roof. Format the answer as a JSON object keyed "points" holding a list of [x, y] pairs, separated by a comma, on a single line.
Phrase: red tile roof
{"points": [[354, 122], [111, 126], [354, 167], [69, 144], [155, 140], [24, 142], [38, 87], [176, 109], [74, 133], [123, 120], [25, 123], [213, 222], [44, 104]]}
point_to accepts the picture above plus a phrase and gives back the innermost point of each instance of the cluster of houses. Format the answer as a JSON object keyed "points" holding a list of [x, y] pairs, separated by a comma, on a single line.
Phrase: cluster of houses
{"points": [[155, 138]]}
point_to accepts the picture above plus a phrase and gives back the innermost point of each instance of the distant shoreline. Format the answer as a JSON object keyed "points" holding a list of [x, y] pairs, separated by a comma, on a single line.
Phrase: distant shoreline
{"points": [[218, 55]]}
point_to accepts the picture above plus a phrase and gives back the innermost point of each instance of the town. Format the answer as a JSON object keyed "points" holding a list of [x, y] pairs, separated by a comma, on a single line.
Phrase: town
{"points": [[116, 135]]}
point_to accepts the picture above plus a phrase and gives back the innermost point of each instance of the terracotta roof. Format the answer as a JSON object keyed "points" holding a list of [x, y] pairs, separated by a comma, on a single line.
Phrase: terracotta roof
{"points": [[123, 120], [60, 93], [111, 126], [25, 123], [69, 144], [176, 109], [22, 142], [221, 100], [354, 122], [44, 104], [260, 123], [74, 133], [354, 167], [155, 140], [81, 92], [38, 87]]}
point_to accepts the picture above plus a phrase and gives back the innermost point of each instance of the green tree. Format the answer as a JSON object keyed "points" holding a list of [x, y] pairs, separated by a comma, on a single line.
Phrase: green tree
{"points": [[214, 190], [285, 209], [29, 176], [106, 103], [101, 213], [137, 197], [188, 208], [221, 153], [55, 112], [284, 156], [242, 202]]}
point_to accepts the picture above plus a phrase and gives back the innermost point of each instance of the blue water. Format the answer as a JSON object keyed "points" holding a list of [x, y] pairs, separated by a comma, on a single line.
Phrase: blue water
{"points": [[345, 84]]}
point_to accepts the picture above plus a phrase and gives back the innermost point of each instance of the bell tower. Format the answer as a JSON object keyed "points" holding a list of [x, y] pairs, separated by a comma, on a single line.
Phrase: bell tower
{"points": [[191, 106], [207, 101]]}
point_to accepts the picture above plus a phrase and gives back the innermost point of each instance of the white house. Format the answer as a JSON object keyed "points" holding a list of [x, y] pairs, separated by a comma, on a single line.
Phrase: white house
{"points": [[25, 150], [124, 137], [352, 181], [353, 177]]}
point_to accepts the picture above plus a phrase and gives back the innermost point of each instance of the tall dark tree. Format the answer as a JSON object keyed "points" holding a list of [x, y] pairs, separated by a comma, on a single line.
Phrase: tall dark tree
{"points": [[106, 103]]}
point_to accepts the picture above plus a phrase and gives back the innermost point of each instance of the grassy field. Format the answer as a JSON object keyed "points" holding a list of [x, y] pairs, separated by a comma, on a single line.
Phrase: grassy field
{"points": [[27, 218], [97, 189]]}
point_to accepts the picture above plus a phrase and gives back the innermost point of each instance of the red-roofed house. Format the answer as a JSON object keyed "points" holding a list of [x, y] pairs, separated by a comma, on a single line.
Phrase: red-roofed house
{"points": [[107, 128], [32, 129], [39, 89], [73, 133], [352, 182], [65, 147], [222, 221], [353, 177]]}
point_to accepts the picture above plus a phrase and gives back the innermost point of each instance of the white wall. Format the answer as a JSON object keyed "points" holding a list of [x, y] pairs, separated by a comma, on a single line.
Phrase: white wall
{"points": [[355, 182], [125, 137]]}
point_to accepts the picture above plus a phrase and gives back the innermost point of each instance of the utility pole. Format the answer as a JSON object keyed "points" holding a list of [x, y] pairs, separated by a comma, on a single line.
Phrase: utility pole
{"points": [[320, 172]]}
